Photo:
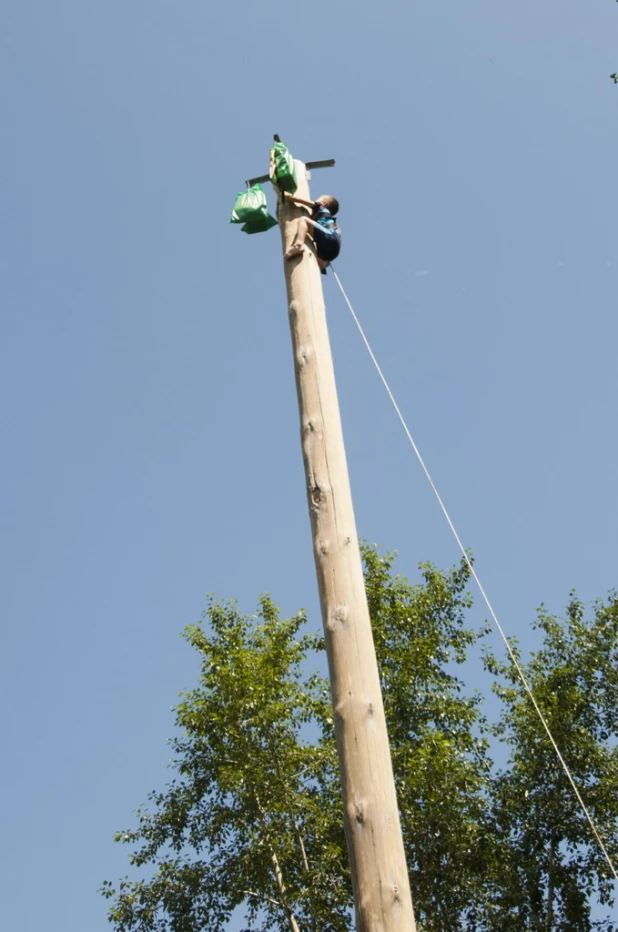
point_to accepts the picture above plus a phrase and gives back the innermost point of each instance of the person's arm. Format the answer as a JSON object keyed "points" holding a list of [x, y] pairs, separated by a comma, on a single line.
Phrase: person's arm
{"points": [[298, 200]]}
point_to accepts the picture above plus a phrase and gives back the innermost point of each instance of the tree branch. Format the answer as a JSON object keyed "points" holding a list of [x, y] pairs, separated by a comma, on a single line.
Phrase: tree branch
{"points": [[294, 927], [302, 845], [262, 896]]}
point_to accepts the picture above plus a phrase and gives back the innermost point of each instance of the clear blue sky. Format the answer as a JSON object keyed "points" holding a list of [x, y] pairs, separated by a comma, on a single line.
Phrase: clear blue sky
{"points": [[150, 438]]}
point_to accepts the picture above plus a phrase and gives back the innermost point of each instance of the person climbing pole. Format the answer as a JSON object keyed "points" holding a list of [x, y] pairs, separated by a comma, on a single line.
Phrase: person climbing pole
{"points": [[321, 226]]}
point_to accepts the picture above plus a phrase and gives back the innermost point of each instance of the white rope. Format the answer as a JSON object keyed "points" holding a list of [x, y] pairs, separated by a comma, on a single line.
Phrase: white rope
{"points": [[511, 653]]}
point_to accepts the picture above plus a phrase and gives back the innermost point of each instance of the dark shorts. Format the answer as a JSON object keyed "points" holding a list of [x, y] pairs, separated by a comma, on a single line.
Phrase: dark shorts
{"points": [[327, 245]]}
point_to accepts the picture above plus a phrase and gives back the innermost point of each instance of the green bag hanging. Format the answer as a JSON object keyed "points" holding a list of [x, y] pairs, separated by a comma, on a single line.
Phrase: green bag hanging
{"points": [[250, 208], [260, 223], [282, 170]]}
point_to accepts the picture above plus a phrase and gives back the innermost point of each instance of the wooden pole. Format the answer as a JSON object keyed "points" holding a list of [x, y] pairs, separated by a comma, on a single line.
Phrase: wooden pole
{"points": [[380, 882]]}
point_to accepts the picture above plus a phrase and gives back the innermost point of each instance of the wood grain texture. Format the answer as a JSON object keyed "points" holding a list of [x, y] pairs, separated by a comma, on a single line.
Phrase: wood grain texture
{"points": [[379, 874]]}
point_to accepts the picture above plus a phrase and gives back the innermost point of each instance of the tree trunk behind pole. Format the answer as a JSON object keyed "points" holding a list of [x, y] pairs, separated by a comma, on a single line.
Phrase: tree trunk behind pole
{"points": [[375, 847]]}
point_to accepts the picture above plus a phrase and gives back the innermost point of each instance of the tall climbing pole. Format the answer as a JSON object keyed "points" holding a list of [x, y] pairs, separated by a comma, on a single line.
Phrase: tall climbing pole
{"points": [[382, 898]]}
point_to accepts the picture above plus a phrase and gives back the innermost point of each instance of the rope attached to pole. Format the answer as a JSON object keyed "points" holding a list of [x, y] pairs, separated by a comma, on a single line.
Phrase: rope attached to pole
{"points": [[473, 573]]}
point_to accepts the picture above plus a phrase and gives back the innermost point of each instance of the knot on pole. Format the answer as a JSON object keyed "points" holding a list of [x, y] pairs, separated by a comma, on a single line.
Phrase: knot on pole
{"points": [[304, 355], [317, 500], [359, 813], [341, 613]]}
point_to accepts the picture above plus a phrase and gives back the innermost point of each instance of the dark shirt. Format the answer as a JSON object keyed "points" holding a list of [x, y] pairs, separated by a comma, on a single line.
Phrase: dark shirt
{"points": [[324, 218]]}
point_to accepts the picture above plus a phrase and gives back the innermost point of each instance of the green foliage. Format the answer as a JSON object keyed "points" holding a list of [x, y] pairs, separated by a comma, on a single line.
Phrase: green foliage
{"points": [[439, 757], [253, 819], [551, 866], [250, 819]]}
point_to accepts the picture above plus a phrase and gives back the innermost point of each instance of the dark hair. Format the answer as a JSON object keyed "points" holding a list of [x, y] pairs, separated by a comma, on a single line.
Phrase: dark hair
{"points": [[331, 203]]}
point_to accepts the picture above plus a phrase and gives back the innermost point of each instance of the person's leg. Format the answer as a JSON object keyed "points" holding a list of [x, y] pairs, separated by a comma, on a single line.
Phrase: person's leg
{"points": [[326, 246], [304, 225]]}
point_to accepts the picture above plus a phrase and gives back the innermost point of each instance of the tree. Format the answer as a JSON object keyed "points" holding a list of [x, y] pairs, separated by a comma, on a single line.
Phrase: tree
{"points": [[436, 731], [253, 819], [250, 819], [552, 866]]}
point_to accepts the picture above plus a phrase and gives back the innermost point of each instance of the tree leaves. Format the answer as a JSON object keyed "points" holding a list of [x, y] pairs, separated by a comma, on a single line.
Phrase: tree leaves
{"points": [[252, 821], [253, 800], [555, 866]]}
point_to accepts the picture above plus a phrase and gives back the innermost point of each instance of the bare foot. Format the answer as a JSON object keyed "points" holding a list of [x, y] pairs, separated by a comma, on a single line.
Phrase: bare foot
{"points": [[294, 251]]}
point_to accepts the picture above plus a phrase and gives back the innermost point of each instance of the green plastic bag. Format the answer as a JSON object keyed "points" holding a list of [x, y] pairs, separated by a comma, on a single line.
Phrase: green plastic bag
{"points": [[282, 171], [259, 224], [250, 209]]}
